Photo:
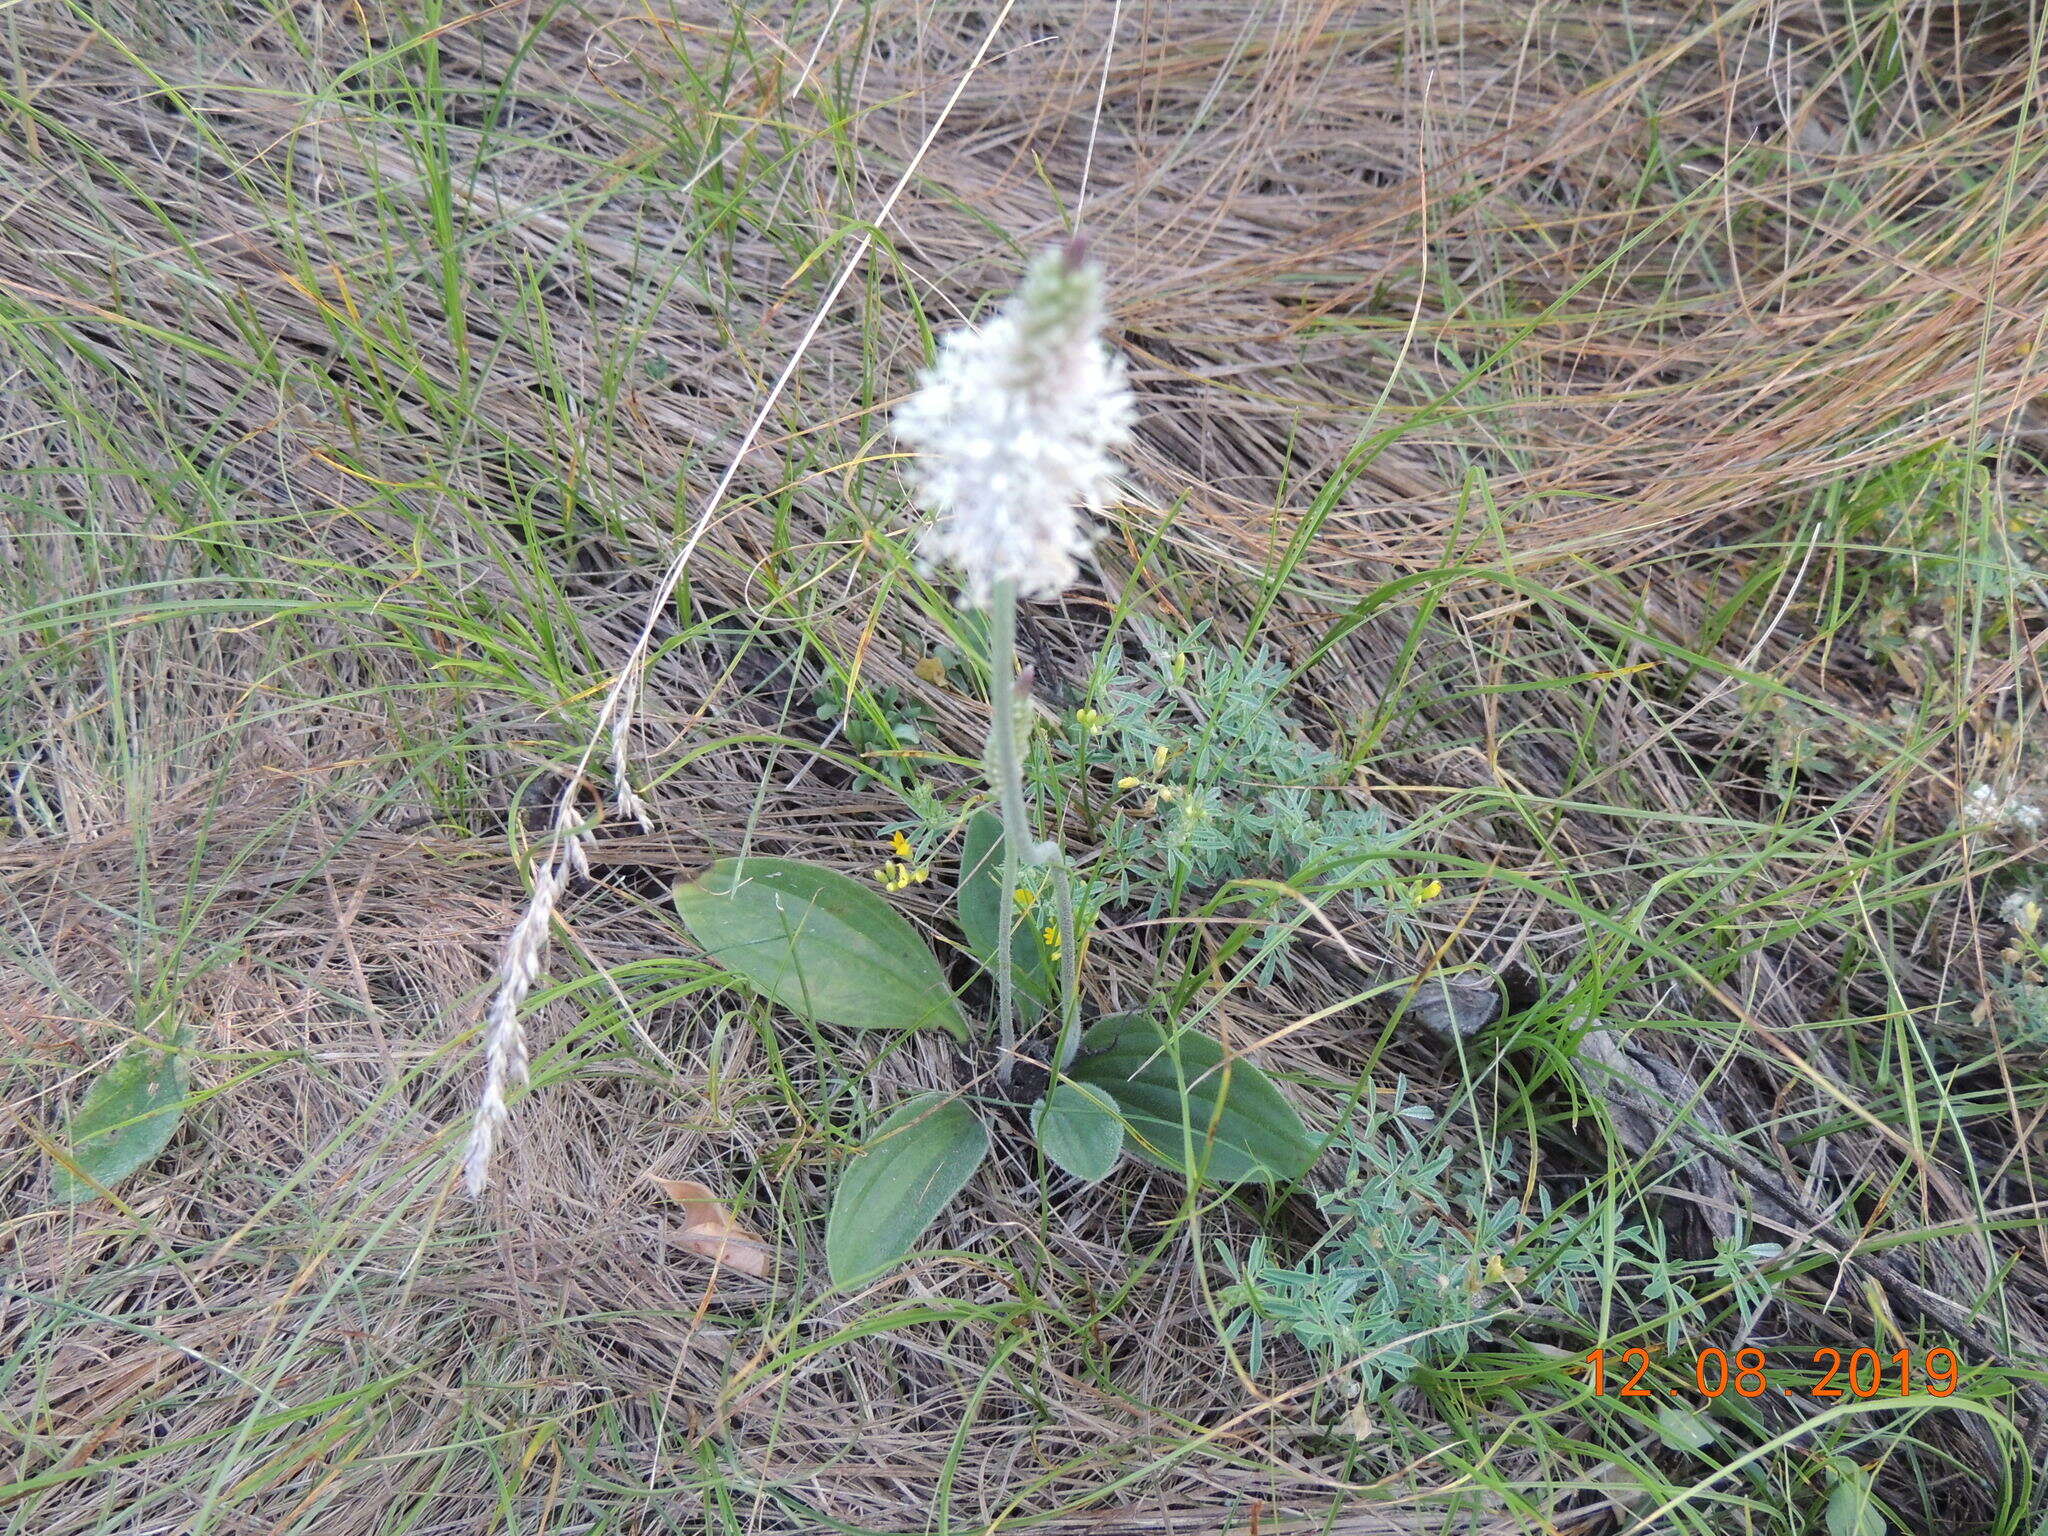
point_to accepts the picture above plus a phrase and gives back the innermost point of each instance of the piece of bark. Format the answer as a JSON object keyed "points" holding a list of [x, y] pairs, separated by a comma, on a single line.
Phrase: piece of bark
{"points": [[1657, 1108]]}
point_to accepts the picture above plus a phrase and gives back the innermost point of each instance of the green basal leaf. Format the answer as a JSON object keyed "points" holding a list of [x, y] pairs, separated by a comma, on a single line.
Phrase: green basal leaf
{"points": [[1188, 1108], [1852, 1501], [820, 944], [1078, 1126], [980, 904], [125, 1119], [1683, 1430], [914, 1165]]}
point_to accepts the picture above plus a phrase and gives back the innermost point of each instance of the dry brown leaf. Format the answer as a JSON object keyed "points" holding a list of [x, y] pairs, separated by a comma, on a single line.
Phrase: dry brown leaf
{"points": [[710, 1231]]}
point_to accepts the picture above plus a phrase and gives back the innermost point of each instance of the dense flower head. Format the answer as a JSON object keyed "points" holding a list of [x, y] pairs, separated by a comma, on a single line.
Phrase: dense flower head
{"points": [[2023, 910], [1013, 426], [2002, 808]]}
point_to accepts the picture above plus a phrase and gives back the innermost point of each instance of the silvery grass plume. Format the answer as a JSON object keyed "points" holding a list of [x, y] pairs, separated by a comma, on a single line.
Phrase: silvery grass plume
{"points": [[1013, 426], [505, 1064]]}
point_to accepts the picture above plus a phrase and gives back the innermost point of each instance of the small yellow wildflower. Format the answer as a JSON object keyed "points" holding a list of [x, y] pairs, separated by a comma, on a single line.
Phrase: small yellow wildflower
{"points": [[1050, 934], [1162, 794], [1093, 721], [1431, 891], [1026, 899], [899, 873], [1499, 1272]]}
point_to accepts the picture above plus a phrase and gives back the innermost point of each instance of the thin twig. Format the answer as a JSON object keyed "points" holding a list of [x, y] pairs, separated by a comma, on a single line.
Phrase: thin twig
{"points": [[504, 1032]]}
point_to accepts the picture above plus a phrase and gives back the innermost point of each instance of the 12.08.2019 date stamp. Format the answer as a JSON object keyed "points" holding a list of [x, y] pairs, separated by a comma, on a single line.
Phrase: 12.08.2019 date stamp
{"points": [[1753, 1372]]}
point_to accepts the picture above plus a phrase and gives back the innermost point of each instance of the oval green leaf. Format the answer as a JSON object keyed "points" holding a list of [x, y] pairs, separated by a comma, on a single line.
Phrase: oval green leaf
{"points": [[914, 1165], [979, 901], [820, 944], [1190, 1108], [1078, 1127], [1852, 1502], [125, 1119]]}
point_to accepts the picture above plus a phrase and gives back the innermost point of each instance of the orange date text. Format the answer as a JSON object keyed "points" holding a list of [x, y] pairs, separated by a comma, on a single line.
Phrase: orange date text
{"points": [[1753, 1372]]}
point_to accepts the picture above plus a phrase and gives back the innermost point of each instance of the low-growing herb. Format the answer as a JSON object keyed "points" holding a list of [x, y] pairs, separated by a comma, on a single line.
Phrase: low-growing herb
{"points": [[1419, 1264], [1013, 426]]}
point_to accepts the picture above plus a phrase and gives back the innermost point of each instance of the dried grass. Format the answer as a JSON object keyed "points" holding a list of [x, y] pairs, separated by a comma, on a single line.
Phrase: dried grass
{"points": [[1321, 224]]}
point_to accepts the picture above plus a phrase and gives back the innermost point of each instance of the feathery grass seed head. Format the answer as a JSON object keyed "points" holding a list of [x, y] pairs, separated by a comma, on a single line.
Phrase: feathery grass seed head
{"points": [[505, 1059]]}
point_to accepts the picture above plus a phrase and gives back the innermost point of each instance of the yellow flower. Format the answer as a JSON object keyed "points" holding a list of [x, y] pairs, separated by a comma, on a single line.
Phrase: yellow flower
{"points": [[1026, 899], [899, 872], [1093, 721], [1431, 891], [1499, 1272], [1161, 794], [1050, 935], [896, 875]]}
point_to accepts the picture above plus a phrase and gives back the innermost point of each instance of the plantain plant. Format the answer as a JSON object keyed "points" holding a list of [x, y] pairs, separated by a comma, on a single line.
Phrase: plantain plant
{"points": [[832, 950], [1012, 431]]}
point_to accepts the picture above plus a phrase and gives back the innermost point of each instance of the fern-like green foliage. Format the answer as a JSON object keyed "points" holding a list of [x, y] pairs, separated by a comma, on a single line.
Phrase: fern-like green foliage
{"points": [[1419, 1265], [1246, 791]]}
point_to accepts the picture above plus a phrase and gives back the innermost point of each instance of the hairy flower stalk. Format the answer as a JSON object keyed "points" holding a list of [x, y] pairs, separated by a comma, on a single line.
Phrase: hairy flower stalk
{"points": [[1014, 426], [1006, 768]]}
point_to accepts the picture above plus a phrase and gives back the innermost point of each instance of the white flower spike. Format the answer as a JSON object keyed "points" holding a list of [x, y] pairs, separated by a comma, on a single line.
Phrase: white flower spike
{"points": [[2002, 809], [1014, 426]]}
